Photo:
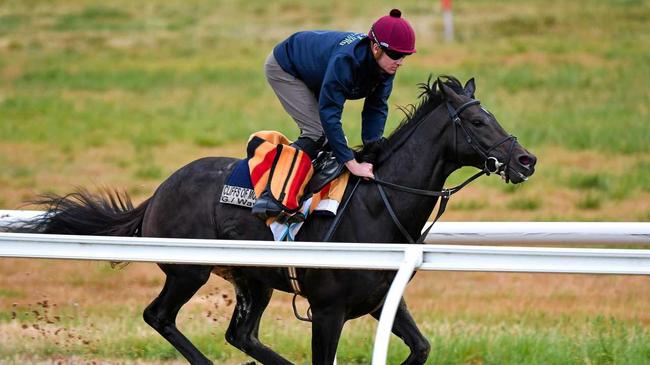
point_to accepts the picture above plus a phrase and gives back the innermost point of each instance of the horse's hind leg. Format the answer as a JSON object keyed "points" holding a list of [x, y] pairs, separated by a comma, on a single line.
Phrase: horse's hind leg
{"points": [[181, 284], [405, 328], [252, 299]]}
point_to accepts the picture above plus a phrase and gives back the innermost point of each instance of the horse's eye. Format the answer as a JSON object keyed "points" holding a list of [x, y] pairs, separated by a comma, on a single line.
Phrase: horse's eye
{"points": [[477, 122]]}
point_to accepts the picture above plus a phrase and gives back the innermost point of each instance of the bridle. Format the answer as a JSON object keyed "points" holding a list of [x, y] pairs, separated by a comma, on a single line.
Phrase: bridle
{"points": [[491, 165]]}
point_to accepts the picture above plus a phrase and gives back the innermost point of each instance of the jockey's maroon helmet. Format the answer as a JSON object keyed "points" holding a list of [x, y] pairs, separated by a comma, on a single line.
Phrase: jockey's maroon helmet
{"points": [[393, 32]]}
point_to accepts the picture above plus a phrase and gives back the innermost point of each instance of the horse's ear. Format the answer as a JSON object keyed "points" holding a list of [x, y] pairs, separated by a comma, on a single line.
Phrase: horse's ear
{"points": [[445, 90], [470, 88]]}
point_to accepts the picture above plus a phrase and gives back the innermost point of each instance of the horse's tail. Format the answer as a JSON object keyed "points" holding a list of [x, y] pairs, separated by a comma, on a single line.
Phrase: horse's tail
{"points": [[109, 213]]}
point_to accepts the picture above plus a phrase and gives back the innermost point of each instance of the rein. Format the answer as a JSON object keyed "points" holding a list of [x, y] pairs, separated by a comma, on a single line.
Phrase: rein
{"points": [[444, 195]]}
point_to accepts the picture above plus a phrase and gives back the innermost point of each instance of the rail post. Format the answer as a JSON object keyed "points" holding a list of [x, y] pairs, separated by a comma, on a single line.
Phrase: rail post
{"points": [[412, 260]]}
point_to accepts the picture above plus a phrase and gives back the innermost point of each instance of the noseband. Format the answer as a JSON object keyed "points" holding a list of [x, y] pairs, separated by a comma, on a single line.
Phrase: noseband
{"points": [[491, 166]]}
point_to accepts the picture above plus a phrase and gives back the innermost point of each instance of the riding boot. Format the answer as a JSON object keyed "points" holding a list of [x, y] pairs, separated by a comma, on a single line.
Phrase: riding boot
{"points": [[326, 169], [282, 195], [266, 207], [326, 166]]}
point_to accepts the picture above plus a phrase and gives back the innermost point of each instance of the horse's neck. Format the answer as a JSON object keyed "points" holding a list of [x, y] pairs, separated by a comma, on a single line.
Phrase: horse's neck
{"points": [[422, 162]]}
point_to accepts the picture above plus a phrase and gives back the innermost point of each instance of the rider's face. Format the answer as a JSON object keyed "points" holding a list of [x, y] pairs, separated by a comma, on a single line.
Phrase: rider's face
{"points": [[386, 64]]}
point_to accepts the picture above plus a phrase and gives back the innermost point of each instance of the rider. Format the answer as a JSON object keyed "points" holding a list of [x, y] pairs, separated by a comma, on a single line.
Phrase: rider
{"points": [[313, 73]]}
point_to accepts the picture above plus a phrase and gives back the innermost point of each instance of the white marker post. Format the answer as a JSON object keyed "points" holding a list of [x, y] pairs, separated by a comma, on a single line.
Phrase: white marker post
{"points": [[448, 20]]}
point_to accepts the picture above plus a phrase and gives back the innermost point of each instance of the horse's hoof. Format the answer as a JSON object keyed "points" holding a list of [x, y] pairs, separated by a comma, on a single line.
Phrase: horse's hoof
{"points": [[248, 363]]}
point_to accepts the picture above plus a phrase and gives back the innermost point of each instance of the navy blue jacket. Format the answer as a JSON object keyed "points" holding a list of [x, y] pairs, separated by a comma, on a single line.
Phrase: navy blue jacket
{"points": [[337, 66]]}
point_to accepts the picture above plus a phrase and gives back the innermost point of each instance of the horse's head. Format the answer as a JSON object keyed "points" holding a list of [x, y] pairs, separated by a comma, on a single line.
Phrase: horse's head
{"points": [[479, 139]]}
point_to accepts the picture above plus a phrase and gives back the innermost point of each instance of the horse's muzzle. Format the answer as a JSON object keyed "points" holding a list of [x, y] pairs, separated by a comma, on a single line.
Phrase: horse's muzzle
{"points": [[522, 167]]}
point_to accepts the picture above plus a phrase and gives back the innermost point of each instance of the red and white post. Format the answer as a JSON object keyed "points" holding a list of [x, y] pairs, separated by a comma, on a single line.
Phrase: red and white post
{"points": [[448, 20]]}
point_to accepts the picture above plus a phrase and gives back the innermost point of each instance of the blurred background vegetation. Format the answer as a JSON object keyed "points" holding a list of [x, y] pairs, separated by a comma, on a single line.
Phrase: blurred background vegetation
{"points": [[122, 93]]}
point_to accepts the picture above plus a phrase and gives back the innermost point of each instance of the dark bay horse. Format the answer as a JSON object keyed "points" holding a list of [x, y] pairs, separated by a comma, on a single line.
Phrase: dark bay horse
{"points": [[447, 130]]}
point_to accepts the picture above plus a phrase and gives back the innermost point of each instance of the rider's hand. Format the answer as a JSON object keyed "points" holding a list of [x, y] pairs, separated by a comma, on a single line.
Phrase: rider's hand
{"points": [[363, 169]]}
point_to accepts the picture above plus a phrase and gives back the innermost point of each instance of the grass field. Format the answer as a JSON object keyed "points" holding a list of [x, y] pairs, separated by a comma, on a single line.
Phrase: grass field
{"points": [[470, 318], [122, 93]]}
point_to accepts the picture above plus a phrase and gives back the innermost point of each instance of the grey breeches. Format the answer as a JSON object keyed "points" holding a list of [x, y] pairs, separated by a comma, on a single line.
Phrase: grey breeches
{"points": [[298, 101]]}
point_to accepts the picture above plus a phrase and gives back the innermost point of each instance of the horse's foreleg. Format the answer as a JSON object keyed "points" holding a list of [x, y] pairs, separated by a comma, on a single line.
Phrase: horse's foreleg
{"points": [[405, 328], [327, 324], [252, 299], [181, 284]]}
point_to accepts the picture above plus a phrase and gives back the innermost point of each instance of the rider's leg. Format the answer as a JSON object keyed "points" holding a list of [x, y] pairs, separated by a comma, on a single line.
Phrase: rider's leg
{"points": [[309, 146], [301, 104]]}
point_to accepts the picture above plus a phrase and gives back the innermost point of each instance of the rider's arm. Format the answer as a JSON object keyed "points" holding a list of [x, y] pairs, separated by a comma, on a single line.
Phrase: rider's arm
{"points": [[375, 111], [337, 80]]}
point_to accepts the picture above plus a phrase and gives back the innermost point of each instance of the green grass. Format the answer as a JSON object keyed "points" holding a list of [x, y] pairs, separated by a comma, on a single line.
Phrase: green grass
{"points": [[590, 201], [579, 90], [641, 175], [150, 172], [470, 204], [4, 293], [596, 340], [11, 22], [524, 203], [589, 181], [95, 17]]}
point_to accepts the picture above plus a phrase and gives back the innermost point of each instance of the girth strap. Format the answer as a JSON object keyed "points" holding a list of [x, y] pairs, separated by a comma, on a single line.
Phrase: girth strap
{"points": [[293, 279]]}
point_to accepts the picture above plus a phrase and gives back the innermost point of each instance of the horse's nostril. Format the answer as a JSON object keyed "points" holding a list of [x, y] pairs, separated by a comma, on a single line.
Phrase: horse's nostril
{"points": [[526, 160]]}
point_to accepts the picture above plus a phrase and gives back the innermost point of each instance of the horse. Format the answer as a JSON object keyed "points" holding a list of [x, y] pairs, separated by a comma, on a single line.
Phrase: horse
{"points": [[448, 129]]}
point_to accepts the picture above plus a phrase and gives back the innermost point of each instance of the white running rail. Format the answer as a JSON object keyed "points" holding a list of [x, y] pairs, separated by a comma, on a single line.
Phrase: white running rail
{"points": [[402, 257], [496, 233], [536, 233]]}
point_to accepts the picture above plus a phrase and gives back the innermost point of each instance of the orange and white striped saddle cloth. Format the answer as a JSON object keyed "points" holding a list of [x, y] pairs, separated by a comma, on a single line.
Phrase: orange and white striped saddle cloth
{"points": [[272, 162], [292, 172]]}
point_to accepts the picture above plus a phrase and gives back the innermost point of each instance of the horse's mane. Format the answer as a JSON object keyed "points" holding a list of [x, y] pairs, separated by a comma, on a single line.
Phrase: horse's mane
{"points": [[430, 97]]}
